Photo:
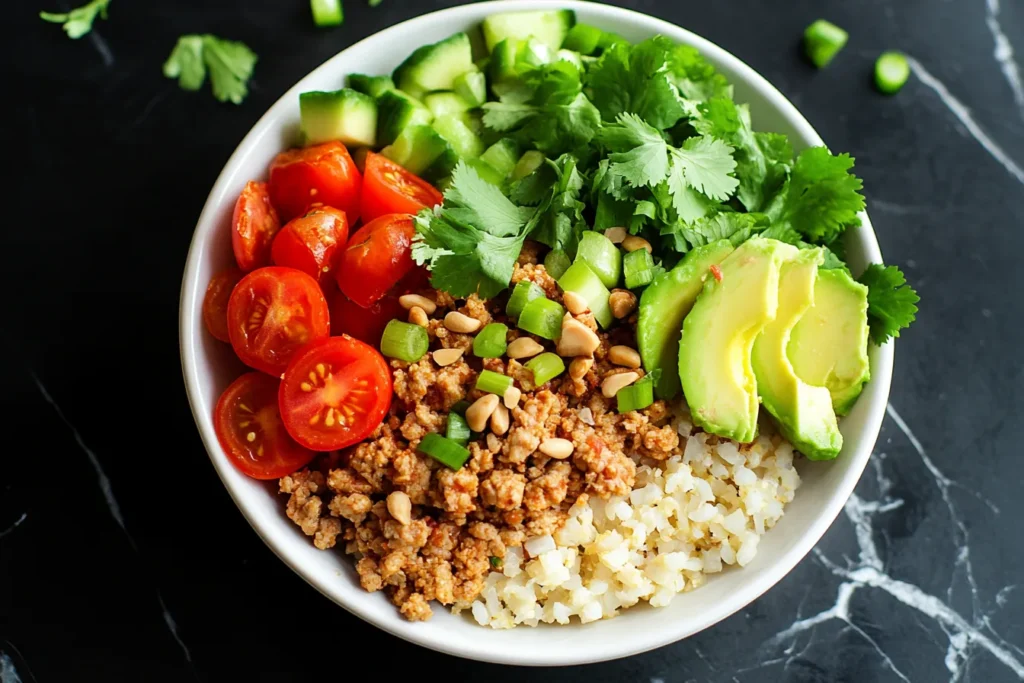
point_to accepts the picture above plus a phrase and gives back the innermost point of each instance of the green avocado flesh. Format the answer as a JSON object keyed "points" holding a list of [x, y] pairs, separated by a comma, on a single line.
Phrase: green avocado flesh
{"points": [[829, 345], [718, 335], [664, 304], [804, 412]]}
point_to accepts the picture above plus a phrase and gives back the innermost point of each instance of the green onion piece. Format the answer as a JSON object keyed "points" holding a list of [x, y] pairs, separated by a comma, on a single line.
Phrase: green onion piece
{"points": [[603, 257], [556, 263], [891, 72], [523, 293], [583, 38], [493, 382], [326, 12], [374, 3], [490, 342], [822, 41], [443, 450], [581, 280], [461, 407], [545, 367], [636, 396], [638, 267], [404, 341], [542, 317], [527, 164], [458, 429], [495, 562]]}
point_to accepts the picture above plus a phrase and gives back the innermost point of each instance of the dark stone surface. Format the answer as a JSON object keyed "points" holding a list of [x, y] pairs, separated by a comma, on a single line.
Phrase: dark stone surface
{"points": [[111, 166]]}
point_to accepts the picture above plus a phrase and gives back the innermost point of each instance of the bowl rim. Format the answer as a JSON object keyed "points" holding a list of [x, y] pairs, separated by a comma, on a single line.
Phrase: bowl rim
{"points": [[192, 292]]}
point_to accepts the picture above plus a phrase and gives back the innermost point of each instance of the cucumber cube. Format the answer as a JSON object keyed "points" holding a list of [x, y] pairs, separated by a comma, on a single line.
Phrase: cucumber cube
{"points": [[344, 115]]}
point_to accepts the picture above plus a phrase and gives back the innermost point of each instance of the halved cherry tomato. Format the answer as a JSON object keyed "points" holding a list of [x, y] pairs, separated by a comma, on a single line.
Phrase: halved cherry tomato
{"points": [[247, 420], [334, 393], [311, 242], [272, 312], [389, 188], [378, 255], [322, 173], [215, 303], [254, 224], [367, 324]]}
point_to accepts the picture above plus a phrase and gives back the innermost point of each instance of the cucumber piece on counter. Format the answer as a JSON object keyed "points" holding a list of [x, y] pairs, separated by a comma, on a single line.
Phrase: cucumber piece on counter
{"points": [[445, 103], [344, 115], [396, 112], [463, 140], [416, 149], [374, 86], [502, 156], [548, 26], [436, 66], [471, 87], [583, 38]]}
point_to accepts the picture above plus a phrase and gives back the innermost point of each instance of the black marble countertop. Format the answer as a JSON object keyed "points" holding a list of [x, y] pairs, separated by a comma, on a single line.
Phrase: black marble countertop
{"points": [[122, 558]]}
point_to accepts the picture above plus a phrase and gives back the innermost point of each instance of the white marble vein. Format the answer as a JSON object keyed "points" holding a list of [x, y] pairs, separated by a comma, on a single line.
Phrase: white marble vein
{"points": [[1004, 54], [112, 505], [8, 674], [17, 523], [963, 114], [964, 634]]}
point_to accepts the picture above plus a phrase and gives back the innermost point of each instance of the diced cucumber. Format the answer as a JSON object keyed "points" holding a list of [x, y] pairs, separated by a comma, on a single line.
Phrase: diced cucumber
{"points": [[344, 115], [396, 112], [463, 140], [486, 171], [583, 38], [474, 119], [502, 156], [527, 164], [471, 87], [416, 148], [573, 58], [602, 256], [503, 61], [374, 86], [436, 66], [608, 39], [550, 27], [533, 53], [445, 103], [580, 279], [442, 166]]}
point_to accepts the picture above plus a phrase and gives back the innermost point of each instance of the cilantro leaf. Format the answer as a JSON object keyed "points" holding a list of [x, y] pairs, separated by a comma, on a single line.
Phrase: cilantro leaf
{"points": [[646, 161], [78, 22], [892, 303], [230, 64], [706, 165], [465, 252], [559, 221], [636, 79], [821, 197], [694, 76]]}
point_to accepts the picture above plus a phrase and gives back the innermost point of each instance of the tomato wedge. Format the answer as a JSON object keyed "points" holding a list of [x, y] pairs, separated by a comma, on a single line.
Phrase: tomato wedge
{"points": [[335, 392], [310, 242], [389, 188], [378, 255], [272, 312], [215, 303], [254, 224], [367, 324], [248, 425], [322, 173]]}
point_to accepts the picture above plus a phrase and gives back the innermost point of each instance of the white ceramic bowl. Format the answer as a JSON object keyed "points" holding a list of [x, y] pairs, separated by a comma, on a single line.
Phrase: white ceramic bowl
{"points": [[209, 366]]}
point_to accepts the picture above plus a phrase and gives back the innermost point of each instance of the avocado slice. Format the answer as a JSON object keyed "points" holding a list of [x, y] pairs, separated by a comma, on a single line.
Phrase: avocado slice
{"points": [[718, 334], [664, 304], [829, 346], [804, 412]]}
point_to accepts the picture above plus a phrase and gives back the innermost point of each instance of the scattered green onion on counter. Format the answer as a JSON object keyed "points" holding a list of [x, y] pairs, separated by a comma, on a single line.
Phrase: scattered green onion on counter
{"points": [[822, 41], [524, 292], [404, 341], [444, 450], [458, 429], [636, 396], [542, 317], [490, 341], [327, 12], [556, 263], [891, 72], [545, 367], [493, 382]]}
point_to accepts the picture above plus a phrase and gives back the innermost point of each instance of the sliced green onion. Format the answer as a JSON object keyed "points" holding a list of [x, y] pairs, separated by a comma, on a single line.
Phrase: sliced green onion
{"points": [[545, 367], [581, 280], [636, 396], [404, 341], [603, 257], [523, 293], [490, 342], [496, 562], [542, 317], [891, 72], [493, 382], [583, 38], [638, 267], [444, 450], [461, 407], [458, 429], [556, 263], [527, 164], [326, 12], [822, 41]]}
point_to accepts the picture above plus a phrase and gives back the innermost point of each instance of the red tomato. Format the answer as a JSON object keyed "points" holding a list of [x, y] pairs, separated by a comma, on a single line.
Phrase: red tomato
{"points": [[215, 303], [335, 392], [272, 312], [311, 242], [322, 173], [248, 425], [367, 324], [254, 224], [389, 188], [378, 255]]}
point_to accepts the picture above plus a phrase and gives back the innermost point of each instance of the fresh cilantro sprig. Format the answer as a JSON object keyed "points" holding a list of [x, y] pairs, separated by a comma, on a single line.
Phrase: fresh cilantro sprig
{"points": [[555, 189], [230, 65], [892, 303], [78, 22], [638, 80]]}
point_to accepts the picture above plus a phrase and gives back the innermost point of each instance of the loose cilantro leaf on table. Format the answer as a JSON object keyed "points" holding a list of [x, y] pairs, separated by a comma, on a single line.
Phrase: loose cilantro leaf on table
{"points": [[892, 303], [230, 65], [78, 22]]}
